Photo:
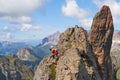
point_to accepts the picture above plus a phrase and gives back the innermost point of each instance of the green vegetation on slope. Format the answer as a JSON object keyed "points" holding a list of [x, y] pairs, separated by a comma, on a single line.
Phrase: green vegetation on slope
{"points": [[115, 53], [118, 74], [16, 69], [53, 72]]}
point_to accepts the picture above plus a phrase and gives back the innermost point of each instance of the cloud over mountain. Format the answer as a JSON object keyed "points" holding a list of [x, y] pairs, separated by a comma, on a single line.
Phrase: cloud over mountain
{"points": [[71, 9]]}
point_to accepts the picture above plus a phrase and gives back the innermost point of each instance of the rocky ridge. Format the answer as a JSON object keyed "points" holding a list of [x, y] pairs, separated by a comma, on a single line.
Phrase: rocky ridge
{"points": [[77, 60], [81, 58]]}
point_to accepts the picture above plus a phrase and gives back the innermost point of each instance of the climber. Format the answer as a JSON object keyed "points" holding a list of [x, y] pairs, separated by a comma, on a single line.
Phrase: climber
{"points": [[54, 52], [54, 55]]}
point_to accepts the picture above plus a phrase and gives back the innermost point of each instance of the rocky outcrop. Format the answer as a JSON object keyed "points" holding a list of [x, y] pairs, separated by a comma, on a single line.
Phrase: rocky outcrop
{"points": [[27, 54], [101, 39], [76, 60], [77, 56], [44, 71], [14, 69], [81, 58]]}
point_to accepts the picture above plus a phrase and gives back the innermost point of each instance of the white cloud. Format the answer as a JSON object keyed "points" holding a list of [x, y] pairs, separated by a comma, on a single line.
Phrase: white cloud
{"points": [[7, 28], [8, 35], [19, 10], [86, 22], [71, 9], [114, 6], [28, 27], [21, 19], [19, 7]]}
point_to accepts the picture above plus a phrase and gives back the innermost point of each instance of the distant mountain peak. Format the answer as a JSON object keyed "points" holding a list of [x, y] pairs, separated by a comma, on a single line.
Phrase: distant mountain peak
{"points": [[51, 39]]}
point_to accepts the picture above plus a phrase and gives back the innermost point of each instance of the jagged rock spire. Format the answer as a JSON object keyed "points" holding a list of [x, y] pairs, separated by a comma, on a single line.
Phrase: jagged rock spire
{"points": [[101, 39]]}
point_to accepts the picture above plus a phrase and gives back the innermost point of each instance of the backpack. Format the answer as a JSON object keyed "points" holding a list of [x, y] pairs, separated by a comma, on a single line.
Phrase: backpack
{"points": [[53, 51], [56, 52]]}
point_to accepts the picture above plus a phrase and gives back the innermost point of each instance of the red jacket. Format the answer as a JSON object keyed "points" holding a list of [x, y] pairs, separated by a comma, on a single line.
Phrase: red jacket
{"points": [[54, 51]]}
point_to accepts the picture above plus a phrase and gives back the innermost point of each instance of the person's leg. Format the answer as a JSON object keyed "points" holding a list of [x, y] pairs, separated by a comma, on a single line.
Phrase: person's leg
{"points": [[55, 58], [49, 58]]}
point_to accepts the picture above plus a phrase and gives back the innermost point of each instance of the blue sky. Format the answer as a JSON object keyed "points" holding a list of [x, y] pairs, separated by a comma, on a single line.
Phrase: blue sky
{"points": [[24, 20]]}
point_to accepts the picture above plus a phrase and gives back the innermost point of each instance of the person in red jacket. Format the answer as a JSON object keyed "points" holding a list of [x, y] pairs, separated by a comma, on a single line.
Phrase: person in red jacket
{"points": [[54, 52]]}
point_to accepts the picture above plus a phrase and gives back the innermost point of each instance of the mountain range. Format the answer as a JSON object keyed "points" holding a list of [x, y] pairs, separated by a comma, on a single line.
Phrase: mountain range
{"points": [[7, 47]]}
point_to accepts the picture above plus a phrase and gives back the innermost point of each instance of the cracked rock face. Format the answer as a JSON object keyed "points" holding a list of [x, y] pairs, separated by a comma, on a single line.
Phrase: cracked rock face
{"points": [[101, 39], [77, 60], [70, 65], [43, 71]]}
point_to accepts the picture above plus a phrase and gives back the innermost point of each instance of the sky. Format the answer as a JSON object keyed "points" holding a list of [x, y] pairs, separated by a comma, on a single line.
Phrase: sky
{"points": [[26, 20]]}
